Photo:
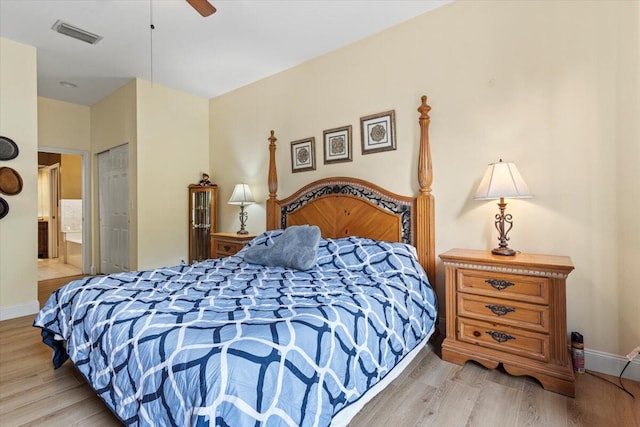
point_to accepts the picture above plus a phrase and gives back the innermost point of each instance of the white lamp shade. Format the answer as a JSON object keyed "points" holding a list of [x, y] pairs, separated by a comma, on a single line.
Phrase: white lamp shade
{"points": [[241, 195], [502, 179]]}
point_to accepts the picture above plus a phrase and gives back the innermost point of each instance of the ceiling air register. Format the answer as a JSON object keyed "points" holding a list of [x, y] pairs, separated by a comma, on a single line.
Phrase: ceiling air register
{"points": [[75, 32]]}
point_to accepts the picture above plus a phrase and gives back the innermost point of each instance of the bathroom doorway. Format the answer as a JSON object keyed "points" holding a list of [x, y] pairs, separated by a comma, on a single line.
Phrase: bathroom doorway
{"points": [[62, 207]]}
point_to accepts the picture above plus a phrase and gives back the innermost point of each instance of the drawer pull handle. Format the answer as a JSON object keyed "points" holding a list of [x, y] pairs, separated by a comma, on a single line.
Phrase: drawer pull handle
{"points": [[500, 310], [227, 248], [476, 334], [500, 336], [499, 284]]}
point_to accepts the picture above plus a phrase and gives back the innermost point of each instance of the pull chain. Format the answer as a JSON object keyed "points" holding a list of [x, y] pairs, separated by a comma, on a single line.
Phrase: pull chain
{"points": [[151, 28]]}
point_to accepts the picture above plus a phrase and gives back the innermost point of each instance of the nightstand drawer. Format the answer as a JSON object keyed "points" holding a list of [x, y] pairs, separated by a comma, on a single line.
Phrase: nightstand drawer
{"points": [[226, 248], [502, 285], [503, 338], [228, 244], [522, 315]]}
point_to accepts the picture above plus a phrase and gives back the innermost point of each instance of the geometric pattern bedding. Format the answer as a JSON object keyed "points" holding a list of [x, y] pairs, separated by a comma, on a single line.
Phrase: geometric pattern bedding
{"points": [[227, 343]]}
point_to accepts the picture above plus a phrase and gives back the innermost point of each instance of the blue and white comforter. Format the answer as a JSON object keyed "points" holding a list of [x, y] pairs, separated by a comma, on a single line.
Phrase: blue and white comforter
{"points": [[227, 343]]}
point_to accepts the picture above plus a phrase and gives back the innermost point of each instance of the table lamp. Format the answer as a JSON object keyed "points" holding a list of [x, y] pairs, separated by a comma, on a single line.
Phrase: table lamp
{"points": [[242, 196], [502, 180]]}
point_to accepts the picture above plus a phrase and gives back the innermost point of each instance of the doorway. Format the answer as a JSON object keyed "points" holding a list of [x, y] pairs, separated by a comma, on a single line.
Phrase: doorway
{"points": [[63, 230]]}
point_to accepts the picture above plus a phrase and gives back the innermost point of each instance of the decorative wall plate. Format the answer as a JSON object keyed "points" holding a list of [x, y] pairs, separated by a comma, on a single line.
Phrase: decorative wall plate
{"points": [[8, 148], [4, 208], [10, 181]]}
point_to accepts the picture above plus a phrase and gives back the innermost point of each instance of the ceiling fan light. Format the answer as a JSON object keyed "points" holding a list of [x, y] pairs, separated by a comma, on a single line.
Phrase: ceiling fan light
{"points": [[75, 32]]}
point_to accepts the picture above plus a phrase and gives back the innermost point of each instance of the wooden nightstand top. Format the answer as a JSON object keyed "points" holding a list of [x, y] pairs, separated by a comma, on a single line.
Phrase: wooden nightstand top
{"points": [[557, 263], [234, 236]]}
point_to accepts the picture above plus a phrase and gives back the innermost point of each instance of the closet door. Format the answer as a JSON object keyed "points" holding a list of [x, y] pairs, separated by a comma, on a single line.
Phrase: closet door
{"points": [[113, 193]]}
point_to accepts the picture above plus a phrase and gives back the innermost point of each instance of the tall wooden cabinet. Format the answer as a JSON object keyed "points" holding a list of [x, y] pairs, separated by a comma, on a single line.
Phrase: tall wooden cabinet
{"points": [[203, 202]]}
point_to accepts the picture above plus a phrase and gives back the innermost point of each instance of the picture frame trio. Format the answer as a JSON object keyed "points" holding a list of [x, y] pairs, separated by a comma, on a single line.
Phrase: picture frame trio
{"points": [[377, 134]]}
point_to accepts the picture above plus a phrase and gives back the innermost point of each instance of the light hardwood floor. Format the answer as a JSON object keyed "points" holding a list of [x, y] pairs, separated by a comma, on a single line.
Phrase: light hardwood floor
{"points": [[430, 392], [54, 268]]}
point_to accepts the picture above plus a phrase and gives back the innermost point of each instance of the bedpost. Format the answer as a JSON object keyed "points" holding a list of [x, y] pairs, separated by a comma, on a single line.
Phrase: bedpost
{"points": [[425, 228], [272, 206]]}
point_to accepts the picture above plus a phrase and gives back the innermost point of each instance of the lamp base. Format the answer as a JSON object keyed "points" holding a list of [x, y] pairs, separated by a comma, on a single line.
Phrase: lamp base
{"points": [[243, 221], [501, 219], [505, 251]]}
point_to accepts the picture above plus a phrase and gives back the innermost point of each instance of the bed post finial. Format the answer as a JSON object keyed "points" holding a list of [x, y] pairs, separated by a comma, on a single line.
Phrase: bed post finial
{"points": [[425, 173], [425, 242], [273, 185]]}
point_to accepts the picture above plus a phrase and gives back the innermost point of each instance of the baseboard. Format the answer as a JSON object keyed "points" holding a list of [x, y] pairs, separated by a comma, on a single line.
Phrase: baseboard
{"points": [[19, 310], [611, 364]]}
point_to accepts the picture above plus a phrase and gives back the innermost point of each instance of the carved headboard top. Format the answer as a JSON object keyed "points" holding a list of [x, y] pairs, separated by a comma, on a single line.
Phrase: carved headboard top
{"points": [[344, 206]]}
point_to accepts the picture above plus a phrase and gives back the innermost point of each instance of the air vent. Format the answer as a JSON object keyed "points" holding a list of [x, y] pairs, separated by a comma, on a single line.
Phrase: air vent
{"points": [[75, 32]]}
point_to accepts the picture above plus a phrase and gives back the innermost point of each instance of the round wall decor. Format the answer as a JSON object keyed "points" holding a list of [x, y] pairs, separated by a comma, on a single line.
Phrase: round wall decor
{"points": [[10, 181], [4, 208], [8, 148]]}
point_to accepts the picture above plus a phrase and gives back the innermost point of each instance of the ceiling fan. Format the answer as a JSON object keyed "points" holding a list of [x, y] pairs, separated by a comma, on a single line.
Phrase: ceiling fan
{"points": [[203, 7]]}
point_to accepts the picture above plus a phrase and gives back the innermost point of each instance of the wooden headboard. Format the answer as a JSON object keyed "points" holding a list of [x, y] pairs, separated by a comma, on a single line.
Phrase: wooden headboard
{"points": [[343, 206]]}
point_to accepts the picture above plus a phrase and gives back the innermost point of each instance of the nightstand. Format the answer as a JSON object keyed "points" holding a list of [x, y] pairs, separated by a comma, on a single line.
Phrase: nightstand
{"points": [[509, 310], [227, 244]]}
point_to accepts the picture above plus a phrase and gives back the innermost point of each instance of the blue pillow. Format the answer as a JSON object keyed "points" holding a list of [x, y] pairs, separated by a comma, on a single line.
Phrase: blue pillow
{"points": [[296, 247], [267, 238]]}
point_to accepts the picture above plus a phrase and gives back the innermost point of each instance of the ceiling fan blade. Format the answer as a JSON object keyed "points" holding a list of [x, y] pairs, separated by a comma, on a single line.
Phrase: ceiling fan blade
{"points": [[203, 7]]}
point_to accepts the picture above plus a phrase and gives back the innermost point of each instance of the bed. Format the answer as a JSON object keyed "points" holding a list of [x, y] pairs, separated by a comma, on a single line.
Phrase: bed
{"points": [[226, 342]]}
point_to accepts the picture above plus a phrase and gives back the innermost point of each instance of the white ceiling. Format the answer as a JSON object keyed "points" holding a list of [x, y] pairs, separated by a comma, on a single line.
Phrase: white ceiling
{"points": [[245, 41]]}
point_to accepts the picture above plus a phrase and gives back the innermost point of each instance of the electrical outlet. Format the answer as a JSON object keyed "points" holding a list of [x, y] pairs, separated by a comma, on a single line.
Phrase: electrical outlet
{"points": [[634, 353]]}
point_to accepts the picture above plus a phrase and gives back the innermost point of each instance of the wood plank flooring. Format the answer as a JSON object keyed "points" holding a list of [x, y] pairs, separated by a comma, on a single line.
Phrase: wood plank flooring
{"points": [[46, 287], [430, 392]]}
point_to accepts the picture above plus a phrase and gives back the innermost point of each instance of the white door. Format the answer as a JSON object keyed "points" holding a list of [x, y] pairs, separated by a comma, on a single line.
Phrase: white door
{"points": [[54, 210], [113, 193]]}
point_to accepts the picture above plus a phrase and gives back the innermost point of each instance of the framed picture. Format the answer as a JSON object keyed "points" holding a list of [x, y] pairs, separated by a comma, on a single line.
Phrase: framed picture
{"points": [[337, 145], [378, 132], [303, 155]]}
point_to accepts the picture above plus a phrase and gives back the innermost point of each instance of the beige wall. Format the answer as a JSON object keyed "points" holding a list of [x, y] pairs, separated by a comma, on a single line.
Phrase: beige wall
{"points": [[627, 142], [63, 125], [531, 82], [552, 86], [18, 230], [70, 176], [173, 151], [114, 123], [168, 136]]}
